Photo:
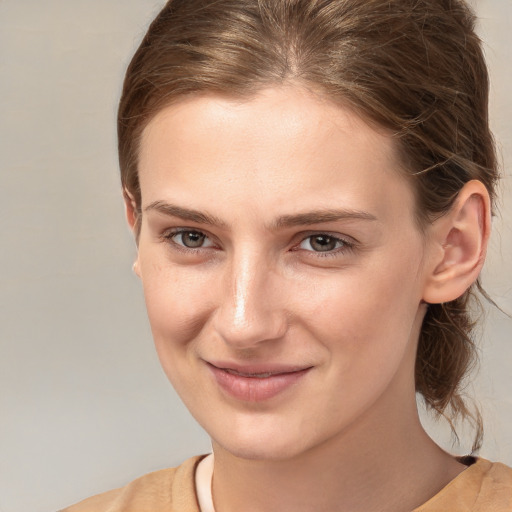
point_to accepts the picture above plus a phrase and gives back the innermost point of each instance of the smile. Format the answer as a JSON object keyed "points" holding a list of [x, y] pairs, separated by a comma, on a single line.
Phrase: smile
{"points": [[252, 375], [255, 384]]}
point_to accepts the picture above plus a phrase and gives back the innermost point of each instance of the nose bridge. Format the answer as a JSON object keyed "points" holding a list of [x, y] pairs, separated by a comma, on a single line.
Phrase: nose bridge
{"points": [[250, 311], [245, 288]]}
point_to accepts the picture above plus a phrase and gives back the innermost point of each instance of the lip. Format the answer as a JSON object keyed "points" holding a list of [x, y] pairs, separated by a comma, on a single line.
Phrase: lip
{"points": [[255, 382]]}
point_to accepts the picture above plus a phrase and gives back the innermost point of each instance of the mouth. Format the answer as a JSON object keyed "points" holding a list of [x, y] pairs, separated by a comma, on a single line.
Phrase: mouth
{"points": [[258, 375], [252, 375], [254, 383]]}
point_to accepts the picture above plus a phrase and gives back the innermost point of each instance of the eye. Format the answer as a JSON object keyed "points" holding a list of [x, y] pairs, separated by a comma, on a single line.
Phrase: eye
{"points": [[190, 239], [323, 243]]}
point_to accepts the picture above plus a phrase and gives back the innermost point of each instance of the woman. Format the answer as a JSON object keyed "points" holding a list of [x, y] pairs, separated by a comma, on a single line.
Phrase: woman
{"points": [[310, 185]]}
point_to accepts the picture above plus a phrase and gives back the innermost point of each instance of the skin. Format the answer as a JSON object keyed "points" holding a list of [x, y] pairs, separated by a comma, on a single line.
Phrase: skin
{"points": [[257, 290]]}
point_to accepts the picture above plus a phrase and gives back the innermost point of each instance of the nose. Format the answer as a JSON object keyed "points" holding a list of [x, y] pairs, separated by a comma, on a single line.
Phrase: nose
{"points": [[250, 310]]}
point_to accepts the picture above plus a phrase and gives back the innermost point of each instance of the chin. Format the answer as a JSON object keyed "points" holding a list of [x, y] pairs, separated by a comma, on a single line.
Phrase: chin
{"points": [[259, 451], [269, 445]]}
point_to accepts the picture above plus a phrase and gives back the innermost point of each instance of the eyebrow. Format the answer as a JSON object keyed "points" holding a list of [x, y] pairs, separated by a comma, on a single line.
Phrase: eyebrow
{"points": [[320, 216], [284, 221], [185, 213]]}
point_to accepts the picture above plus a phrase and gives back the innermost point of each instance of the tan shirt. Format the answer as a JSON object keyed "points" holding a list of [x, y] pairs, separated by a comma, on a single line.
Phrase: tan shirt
{"points": [[482, 487]]}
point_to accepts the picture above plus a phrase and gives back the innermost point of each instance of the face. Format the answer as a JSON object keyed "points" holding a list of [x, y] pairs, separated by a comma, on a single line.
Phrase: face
{"points": [[282, 268]]}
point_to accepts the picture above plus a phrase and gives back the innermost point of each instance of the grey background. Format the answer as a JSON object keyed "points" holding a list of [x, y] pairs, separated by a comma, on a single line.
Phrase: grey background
{"points": [[84, 406]]}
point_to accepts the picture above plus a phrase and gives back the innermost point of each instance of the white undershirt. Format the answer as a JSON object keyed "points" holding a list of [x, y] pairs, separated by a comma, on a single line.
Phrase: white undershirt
{"points": [[204, 475]]}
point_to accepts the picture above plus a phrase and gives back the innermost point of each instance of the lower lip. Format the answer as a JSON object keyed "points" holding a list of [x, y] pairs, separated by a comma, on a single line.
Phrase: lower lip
{"points": [[254, 389]]}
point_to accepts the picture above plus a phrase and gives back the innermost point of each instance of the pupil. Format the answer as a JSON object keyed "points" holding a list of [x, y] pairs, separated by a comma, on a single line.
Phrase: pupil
{"points": [[323, 243], [193, 239]]}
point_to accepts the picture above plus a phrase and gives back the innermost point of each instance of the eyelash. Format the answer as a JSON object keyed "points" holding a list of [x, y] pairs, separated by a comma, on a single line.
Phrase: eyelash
{"points": [[169, 236], [346, 245]]}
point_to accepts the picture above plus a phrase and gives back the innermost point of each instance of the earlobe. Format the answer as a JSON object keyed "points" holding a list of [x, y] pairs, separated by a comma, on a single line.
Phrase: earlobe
{"points": [[459, 241]]}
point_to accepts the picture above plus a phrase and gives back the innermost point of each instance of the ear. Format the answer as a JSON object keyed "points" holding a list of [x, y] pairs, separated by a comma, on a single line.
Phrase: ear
{"points": [[458, 244], [130, 208], [132, 216]]}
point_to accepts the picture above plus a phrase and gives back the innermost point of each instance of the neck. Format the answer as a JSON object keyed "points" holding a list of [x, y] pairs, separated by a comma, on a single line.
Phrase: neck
{"points": [[385, 465]]}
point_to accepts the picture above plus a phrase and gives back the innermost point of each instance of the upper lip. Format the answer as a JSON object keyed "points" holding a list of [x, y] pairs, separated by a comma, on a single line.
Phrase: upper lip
{"points": [[258, 369]]}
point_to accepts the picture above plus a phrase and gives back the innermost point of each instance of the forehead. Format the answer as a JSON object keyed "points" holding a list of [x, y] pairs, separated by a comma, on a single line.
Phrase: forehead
{"points": [[284, 146], [286, 114]]}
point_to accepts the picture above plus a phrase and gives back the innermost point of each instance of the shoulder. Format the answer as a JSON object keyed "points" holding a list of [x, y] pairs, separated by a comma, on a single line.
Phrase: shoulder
{"points": [[169, 490], [496, 487], [483, 487]]}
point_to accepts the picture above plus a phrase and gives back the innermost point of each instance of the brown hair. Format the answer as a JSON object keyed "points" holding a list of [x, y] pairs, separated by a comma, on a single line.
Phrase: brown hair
{"points": [[414, 67]]}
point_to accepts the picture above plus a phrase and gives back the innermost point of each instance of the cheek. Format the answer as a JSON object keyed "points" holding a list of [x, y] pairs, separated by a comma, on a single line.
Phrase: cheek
{"points": [[368, 333], [178, 306], [359, 295], [366, 312], [178, 302]]}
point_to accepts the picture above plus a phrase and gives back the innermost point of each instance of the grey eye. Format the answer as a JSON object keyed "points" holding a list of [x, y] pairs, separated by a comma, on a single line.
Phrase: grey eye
{"points": [[190, 239], [321, 243]]}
